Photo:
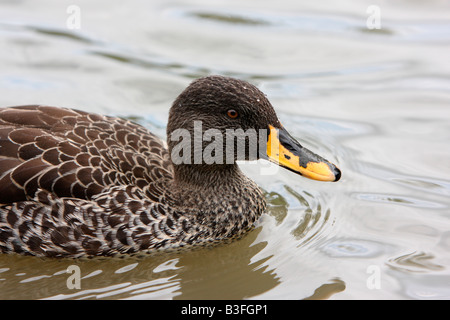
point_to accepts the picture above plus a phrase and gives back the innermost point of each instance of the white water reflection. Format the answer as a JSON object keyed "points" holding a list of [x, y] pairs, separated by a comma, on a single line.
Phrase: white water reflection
{"points": [[373, 101]]}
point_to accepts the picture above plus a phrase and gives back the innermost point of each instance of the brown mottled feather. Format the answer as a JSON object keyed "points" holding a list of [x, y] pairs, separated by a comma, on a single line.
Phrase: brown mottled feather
{"points": [[75, 184], [34, 139], [65, 153]]}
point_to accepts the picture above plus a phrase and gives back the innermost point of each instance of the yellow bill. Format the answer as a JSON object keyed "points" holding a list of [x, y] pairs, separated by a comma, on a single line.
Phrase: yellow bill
{"points": [[285, 151]]}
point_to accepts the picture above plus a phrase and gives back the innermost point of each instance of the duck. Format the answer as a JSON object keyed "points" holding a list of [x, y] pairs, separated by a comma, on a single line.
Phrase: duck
{"points": [[75, 184]]}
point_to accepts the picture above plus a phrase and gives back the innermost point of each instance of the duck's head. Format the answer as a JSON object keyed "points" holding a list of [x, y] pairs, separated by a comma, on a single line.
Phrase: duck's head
{"points": [[213, 117]]}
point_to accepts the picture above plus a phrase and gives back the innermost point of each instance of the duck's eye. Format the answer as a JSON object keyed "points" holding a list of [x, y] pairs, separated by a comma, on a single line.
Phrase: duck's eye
{"points": [[232, 113]]}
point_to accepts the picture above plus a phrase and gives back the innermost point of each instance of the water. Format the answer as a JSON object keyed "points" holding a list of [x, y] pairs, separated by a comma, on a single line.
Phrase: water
{"points": [[375, 102]]}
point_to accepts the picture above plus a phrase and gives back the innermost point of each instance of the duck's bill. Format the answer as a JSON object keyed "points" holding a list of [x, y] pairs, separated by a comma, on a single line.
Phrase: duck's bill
{"points": [[287, 152]]}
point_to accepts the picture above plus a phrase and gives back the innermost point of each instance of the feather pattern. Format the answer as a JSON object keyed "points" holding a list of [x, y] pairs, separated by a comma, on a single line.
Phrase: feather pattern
{"points": [[76, 184]]}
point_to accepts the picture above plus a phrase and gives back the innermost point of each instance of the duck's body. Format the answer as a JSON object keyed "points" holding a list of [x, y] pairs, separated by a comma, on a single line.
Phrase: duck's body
{"points": [[76, 184]]}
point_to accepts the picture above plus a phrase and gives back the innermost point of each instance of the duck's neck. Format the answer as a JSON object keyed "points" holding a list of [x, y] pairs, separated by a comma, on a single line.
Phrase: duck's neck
{"points": [[221, 200], [216, 189], [216, 202], [207, 177]]}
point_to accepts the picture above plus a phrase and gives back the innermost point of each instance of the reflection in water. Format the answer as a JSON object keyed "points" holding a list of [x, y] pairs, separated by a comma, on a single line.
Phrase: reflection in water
{"points": [[278, 206], [236, 275], [327, 290], [353, 248], [317, 23], [414, 262], [398, 199], [422, 184], [312, 219], [180, 276], [423, 286], [374, 101], [239, 270]]}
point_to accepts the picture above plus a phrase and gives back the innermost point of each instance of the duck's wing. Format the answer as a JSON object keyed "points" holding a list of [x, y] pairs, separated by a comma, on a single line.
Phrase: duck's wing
{"points": [[72, 153]]}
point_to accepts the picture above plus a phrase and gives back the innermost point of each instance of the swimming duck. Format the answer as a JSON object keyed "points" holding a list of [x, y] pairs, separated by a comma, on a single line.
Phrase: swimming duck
{"points": [[77, 184]]}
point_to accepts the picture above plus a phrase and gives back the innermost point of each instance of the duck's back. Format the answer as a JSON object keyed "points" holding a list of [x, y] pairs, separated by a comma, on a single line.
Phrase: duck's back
{"points": [[73, 153], [60, 164]]}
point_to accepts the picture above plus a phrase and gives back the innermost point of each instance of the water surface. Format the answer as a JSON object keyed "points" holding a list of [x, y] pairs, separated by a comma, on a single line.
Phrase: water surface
{"points": [[375, 102]]}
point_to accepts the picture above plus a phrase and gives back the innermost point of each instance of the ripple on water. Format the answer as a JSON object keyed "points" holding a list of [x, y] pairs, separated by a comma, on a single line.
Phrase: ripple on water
{"points": [[400, 200], [430, 287], [353, 248], [162, 286], [423, 286], [416, 262], [315, 23], [299, 213], [423, 184], [327, 290], [126, 268]]}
